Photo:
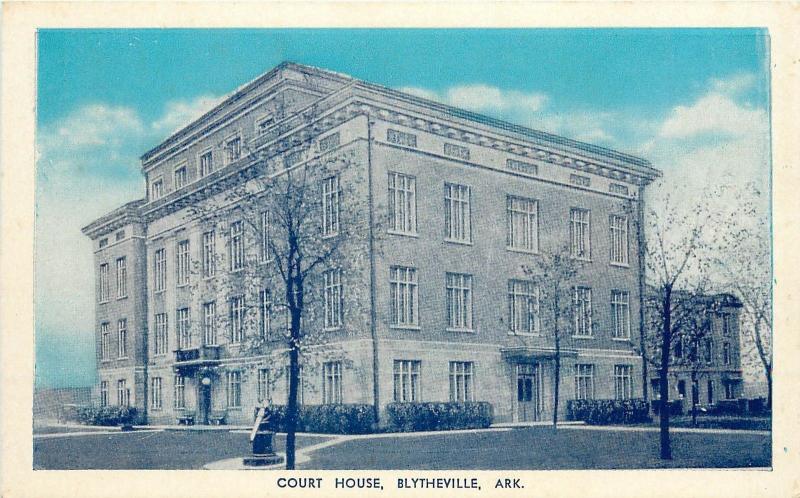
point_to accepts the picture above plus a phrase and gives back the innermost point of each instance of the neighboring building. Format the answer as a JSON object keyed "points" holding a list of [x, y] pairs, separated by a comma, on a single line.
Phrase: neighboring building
{"points": [[706, 361], [448, 314]]}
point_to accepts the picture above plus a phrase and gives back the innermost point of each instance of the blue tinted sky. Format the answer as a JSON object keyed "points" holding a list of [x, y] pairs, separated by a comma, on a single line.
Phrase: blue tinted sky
{"points": [[689, 100]]}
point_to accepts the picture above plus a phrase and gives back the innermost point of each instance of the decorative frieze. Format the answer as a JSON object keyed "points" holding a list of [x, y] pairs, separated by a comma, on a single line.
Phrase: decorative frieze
{"points": [[522, 167], [616, 188], [456, 151], [401, 138], [581, 181]]}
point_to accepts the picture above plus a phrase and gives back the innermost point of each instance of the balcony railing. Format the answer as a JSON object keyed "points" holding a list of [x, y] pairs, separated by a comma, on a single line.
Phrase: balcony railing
{"points": [[199, 355]]}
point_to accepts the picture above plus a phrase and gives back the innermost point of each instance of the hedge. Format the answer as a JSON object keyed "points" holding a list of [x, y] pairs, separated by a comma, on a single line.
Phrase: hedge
{"points": [[608, 411], [408, 417], [326, 419], [107, 415], [675, 407]]}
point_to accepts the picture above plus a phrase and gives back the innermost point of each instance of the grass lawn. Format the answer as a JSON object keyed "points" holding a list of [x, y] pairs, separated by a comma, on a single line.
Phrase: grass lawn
{"points": [[542, 448], [146, 450]]}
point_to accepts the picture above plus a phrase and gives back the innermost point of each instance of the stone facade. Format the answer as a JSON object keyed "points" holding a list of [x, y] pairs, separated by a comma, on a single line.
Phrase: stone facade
{"points": [[442, 159]]}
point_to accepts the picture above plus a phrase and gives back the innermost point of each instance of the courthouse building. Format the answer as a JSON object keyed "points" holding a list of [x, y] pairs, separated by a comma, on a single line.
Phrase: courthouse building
{"points": [[436, 304]]}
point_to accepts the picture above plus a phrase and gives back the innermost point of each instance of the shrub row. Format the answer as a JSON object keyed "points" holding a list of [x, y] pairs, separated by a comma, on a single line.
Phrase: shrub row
{"points": [[608, 411], [408, 417], [675, 407], [107, 415], [326, 419]]}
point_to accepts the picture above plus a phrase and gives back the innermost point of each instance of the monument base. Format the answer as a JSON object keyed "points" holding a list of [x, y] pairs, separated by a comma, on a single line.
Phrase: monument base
{"points": [[262, 460]]}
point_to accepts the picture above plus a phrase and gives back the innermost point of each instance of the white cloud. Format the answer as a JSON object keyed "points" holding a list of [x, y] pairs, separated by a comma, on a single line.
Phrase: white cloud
{"points": [[713, 113], [733, 85], [484, 98], [179, 113]]}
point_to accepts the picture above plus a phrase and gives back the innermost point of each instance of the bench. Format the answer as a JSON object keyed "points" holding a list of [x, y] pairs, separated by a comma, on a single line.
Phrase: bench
{"points": [[185, 418], [216, 418]]}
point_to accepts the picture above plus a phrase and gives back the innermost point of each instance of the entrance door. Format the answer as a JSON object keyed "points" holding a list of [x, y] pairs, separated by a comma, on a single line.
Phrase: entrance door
{"points": [[205, 403], [528, 393]]}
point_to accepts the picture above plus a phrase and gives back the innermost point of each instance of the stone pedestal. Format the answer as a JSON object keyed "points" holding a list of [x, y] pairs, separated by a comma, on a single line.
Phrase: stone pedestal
{"points": [[263, 454]]}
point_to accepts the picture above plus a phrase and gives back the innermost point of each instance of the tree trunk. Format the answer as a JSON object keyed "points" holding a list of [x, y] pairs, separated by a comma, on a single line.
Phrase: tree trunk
{"points": [[695, 395], [557, 364], [769, 388], [291, 407], [666, 336]]}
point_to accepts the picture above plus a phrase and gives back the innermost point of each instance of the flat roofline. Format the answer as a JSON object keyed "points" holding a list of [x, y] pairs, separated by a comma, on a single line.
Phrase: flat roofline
{"points": [[524, 133], [128, 212]]}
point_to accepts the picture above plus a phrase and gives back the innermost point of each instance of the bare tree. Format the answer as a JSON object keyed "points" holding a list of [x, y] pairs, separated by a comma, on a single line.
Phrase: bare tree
{"points": [[289, 208], [747, 266], [554, 274], [676, 262]]}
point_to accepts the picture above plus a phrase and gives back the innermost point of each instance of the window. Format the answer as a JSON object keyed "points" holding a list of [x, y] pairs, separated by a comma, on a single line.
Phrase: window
{"points": [[234, 389], [329, 142], [293, 158], [183, 328], [237, 319], [210, 324], [678, 350], [729, 390], [401, 138], [456, 151], [616, 188], [104, 283], [682, 388], [182, 263], [523, 307], [332, 382], [162, 338], [579, 233], [265, 312], [264, 123], [710, 391], [330, 206], [461, 387], [618, 226], [155, 393], [179, 398], [264, 232], [457, 216], [206, 163], [620, 315], [233, 149], [160, 273], [181, 178], [237, 246], [726, 354], [119, 235], [584, 381], [523, 224], [582, 301], [105, 342], [708, 350], [459, 301], [299, 384], [103, 393], [122, 278], [103, 242], [406, 381], [123, 395], [157, 189], [726, 324], [522, 167], [403, 297], [581, 181], [262, 386], [209, 252], [623, 383], [333, 298], [122, 338], [402, 203]]}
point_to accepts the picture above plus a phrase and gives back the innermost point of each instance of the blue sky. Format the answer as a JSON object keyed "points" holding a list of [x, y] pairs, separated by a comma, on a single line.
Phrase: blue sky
{"points": [[694, 102]]}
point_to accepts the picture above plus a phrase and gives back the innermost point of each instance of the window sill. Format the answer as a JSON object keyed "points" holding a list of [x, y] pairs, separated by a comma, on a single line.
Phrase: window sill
{"points": [[330, 235], [237, 270], [120, 358], [619, 265], [103, 302], [332, 329], [583, 337], [405, 327], [209, 277], [465, 331], [119, 298], [458, 242], [233, 408], [521, 251], [105, 361], [403, 234], [525, 334], [159, 291], [621, 339], [181, 286], [585, 260]]}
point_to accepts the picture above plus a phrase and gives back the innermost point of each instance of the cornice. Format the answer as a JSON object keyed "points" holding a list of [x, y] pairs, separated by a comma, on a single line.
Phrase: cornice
{"points": [[122, 216]]}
